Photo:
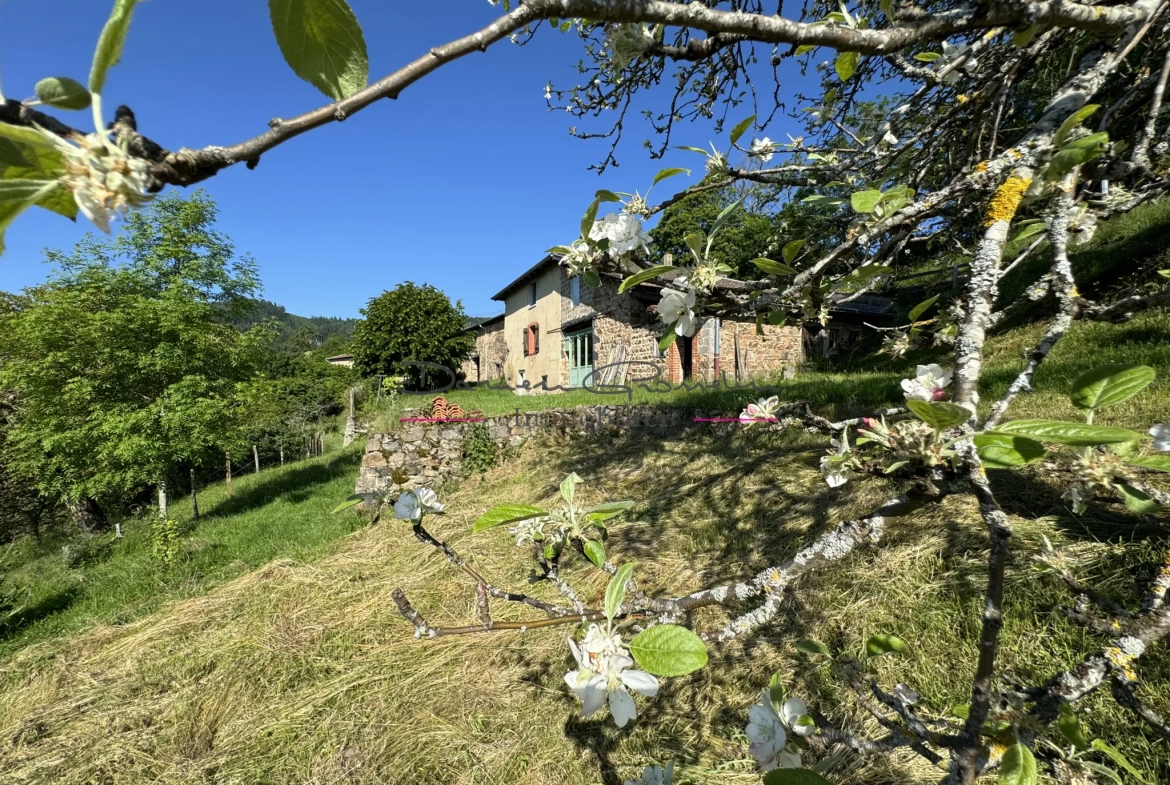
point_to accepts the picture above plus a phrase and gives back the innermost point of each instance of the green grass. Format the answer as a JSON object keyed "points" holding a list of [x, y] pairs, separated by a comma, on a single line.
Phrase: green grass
{"points": [[281, 513]]}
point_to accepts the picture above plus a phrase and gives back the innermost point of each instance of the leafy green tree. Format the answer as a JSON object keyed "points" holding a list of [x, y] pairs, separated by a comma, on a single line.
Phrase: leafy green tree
{"points": [[747, 235], [411, 323], [124, 364]]}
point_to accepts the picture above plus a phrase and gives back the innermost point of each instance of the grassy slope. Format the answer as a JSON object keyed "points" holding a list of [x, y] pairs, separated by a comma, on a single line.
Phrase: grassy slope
{"points": [[304, 673], [281, 513]]}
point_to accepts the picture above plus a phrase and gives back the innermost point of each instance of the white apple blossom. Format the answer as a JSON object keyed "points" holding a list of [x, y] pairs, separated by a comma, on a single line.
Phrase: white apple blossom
{"points": [[889, 138], [605, 674], [412, 505], [762, 149], [105, 180], [1076, 498], [952, 52], [678, 308], [654, 775], [763, 409], [1161, 434], [715, 161], [624, 232], [768, 731], [929, 384]]}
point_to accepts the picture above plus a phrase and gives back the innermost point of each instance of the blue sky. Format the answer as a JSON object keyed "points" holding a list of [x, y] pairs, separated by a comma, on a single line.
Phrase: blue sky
{"points": [[462, 182]]}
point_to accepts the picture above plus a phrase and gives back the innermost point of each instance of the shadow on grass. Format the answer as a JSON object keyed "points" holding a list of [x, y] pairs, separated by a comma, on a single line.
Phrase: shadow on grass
{"points": [[294, 485], [42, 609]]}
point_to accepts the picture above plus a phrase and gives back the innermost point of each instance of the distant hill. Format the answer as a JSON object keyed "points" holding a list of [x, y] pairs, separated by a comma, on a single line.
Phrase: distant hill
{"points": [[303, 332]]}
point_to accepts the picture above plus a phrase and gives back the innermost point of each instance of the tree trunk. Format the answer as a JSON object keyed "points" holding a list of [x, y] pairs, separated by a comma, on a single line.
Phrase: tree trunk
{"points": [[87, 515], [194, 498], [228, 476], [256, 458], [162, 499]]}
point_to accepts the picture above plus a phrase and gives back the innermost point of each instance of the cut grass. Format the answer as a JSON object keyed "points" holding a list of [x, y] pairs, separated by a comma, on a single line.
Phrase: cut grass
{"points": [[299, 673]]}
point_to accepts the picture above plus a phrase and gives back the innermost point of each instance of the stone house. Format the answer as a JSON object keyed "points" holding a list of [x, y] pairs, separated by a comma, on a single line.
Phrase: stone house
{"points": [[560, 333], [487, 358]]}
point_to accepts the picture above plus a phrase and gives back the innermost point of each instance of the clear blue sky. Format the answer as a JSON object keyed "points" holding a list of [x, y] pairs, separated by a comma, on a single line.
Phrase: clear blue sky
{"points": [[462, 182]]}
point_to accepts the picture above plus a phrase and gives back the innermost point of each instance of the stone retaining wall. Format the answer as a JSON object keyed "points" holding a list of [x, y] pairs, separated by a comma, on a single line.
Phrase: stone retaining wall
{"points": [[423, 453]]}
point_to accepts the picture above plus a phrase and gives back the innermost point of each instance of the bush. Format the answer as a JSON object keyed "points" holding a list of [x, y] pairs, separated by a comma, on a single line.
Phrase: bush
{"points": [[480, 451]]}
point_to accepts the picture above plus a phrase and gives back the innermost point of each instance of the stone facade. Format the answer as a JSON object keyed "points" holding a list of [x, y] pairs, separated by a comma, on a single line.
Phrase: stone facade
{"points": [[625, 327], [488, 359]]}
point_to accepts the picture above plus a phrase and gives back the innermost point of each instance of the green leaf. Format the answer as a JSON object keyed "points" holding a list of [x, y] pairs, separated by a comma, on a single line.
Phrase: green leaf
{"points": [[109, 46], [1159, 463], [595, 552], [10, 155], [777, 318], [741, 128], [938, 414], [809, 646], [665, 173], [922, 307], [1077, 153], [591, 278], [610, 508], [16, 196], [506, 513], [1030, 229], [1005, 450], [1108, 772], [804, 49], [831, 201], [569, 487], [794, 777], [723, 217], [790, 250], [864, 201], [961, 710], [350, 501], [846, 65], [615, 592], [644, 275], [1018, 766], [694, 241], [1070, 727], [1022, 38], [1071, 122], [62, 92], [927, 57], [1138, 501], [604, 195], [1071, 433], [668, 650], [1116, 756], [877, 645], [1106, 385], [698, 150], [589, 218], [773, 268], [667, 338], [322, 42]]}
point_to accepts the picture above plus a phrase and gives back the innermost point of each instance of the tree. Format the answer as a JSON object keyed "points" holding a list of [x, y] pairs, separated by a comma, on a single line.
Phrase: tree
{"points": [[1025, 118], [123, 364], [411, 323]]}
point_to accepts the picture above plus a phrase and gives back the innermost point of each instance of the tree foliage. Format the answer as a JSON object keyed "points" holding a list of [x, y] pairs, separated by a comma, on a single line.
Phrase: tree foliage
{"points": [[411, 323], [122, 364]]}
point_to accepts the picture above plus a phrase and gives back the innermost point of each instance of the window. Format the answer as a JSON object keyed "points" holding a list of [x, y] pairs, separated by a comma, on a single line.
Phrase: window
{"points": [[532, 295], [531, 339], [655, 341], [575, 290]]}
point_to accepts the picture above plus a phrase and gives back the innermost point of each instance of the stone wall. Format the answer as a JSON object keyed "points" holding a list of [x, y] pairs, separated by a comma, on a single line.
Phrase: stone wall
{"points": [[425, 453], [618, 320]]}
